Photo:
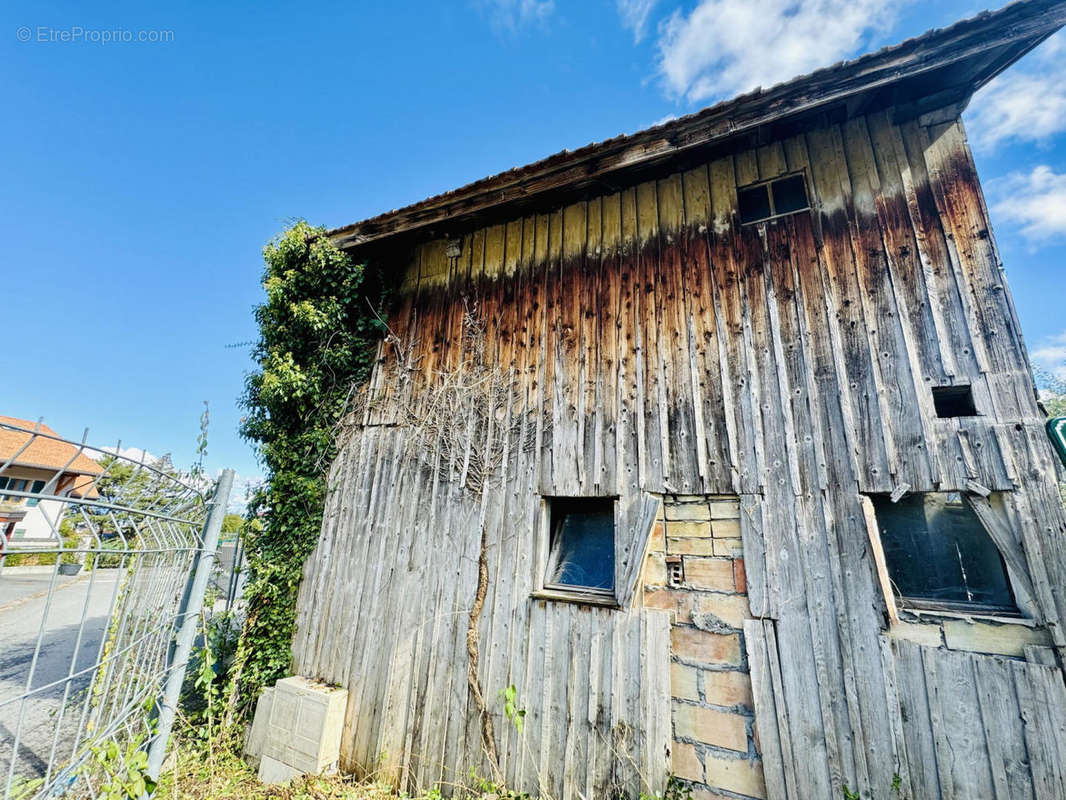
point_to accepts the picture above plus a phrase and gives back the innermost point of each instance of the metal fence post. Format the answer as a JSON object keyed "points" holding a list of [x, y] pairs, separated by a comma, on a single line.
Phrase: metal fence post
{"points": [[188, 616]]}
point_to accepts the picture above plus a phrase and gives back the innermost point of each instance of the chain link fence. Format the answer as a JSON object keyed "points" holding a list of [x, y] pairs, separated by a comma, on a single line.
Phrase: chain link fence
{"points": [[104, 562]]}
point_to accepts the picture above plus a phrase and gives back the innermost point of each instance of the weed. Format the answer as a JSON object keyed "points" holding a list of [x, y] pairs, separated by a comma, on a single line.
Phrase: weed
{"points": [[676, 789], [510, 707], [126, 770]]}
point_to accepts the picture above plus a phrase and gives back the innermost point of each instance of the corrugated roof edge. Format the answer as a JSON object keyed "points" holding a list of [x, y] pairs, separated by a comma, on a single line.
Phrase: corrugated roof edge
{"points": [[1015, 13]]}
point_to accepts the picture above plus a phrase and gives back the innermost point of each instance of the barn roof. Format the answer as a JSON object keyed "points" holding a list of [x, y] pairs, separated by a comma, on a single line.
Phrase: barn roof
{"points": [[939, 69]]}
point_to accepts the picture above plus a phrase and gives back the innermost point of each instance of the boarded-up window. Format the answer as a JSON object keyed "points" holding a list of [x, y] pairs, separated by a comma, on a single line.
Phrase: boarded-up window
{"points": [[939, 555], [581, 555]]}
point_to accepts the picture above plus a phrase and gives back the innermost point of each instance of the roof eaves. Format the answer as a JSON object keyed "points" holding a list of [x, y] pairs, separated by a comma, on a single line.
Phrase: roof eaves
{"points": [[1027, 22]]}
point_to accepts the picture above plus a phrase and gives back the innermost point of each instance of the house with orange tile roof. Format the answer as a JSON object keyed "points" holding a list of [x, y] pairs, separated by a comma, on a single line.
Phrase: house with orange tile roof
{"points": [[35, 460]]}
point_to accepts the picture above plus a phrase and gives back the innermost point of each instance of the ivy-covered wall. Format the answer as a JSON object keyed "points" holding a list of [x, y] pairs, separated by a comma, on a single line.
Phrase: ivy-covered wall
{"points": [[318, 333]]}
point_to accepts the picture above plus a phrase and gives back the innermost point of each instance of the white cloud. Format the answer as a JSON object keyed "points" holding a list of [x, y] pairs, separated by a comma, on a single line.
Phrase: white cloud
{"points": [[244, 486], [1050, 356], [513, 14], [1035, 202], [635, 15], [724, 47], [132, 453], [1027, 103]]}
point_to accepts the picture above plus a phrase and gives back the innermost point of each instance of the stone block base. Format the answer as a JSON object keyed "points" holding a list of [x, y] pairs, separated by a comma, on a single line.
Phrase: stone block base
{"points": [[296, 729]]}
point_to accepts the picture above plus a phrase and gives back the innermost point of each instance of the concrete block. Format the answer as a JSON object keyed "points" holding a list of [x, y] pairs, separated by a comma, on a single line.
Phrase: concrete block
{"points": [[981, 637], [727, 688], [731, 609], [710, 726], [702, 647], [725, 508], [257, 731], [687, 511], [726, 529], [709, 622], [691, 547], [683, 682], [655, 570], [273, 771], [688, 530], [685, 763], [740, 577], [304, 725], [730, 548], [927, 634], [715, 574], [739, 775], [662, 599]]}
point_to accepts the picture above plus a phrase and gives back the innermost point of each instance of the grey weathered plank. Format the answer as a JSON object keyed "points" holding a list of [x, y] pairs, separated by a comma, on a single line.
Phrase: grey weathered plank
{"points": [[658, 344], [772, 722]]}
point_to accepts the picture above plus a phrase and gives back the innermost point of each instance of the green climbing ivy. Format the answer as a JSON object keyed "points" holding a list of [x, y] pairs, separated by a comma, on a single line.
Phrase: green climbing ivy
{"points": [[318, 333]]}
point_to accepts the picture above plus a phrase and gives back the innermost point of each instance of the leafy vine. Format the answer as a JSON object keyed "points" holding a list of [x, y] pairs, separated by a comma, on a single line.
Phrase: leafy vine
{"points": [[318, 333]]}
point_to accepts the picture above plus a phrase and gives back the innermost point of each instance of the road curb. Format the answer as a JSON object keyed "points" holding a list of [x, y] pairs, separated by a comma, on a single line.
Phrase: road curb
{"points": [[16, 571], [42, 593]]}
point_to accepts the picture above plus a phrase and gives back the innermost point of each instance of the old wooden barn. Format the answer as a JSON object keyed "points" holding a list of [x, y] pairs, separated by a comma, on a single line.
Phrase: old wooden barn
{"points": [[722, 441]]}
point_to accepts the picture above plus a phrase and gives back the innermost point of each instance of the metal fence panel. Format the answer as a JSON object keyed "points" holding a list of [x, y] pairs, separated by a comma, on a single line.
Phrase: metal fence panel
{"points": [[97, 587]]}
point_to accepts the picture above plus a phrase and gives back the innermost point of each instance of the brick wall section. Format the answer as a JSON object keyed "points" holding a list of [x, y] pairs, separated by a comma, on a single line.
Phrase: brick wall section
{"points": [[715, 745]]}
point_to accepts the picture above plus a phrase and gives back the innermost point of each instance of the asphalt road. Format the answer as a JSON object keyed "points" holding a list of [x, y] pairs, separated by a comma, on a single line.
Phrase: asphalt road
{"points": [[68, 640], [51, 713]]}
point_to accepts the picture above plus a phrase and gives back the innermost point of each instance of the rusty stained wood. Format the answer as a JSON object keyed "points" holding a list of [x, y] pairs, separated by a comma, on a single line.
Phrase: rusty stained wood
{"points": [[659, 347]]}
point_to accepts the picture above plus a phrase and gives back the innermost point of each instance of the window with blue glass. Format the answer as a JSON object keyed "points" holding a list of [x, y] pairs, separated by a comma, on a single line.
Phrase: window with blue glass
{"points": [[37, 488], [940, 556], [21, 485], [13, 485], [581, 554]]}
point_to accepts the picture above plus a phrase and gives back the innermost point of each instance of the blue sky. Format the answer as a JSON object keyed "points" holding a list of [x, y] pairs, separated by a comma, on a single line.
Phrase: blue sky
{"points": [[141, 179]]}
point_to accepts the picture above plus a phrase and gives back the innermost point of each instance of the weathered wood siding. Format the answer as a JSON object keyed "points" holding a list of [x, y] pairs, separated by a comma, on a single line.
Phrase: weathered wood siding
{"points": [[975, 726], [662, 348]]}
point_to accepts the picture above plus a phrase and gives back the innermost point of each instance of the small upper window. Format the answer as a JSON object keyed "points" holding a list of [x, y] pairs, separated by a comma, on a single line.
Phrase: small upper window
{"points": [[940, 556], [954, 401], [774, 198], [581, 554], [755, 203]]}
